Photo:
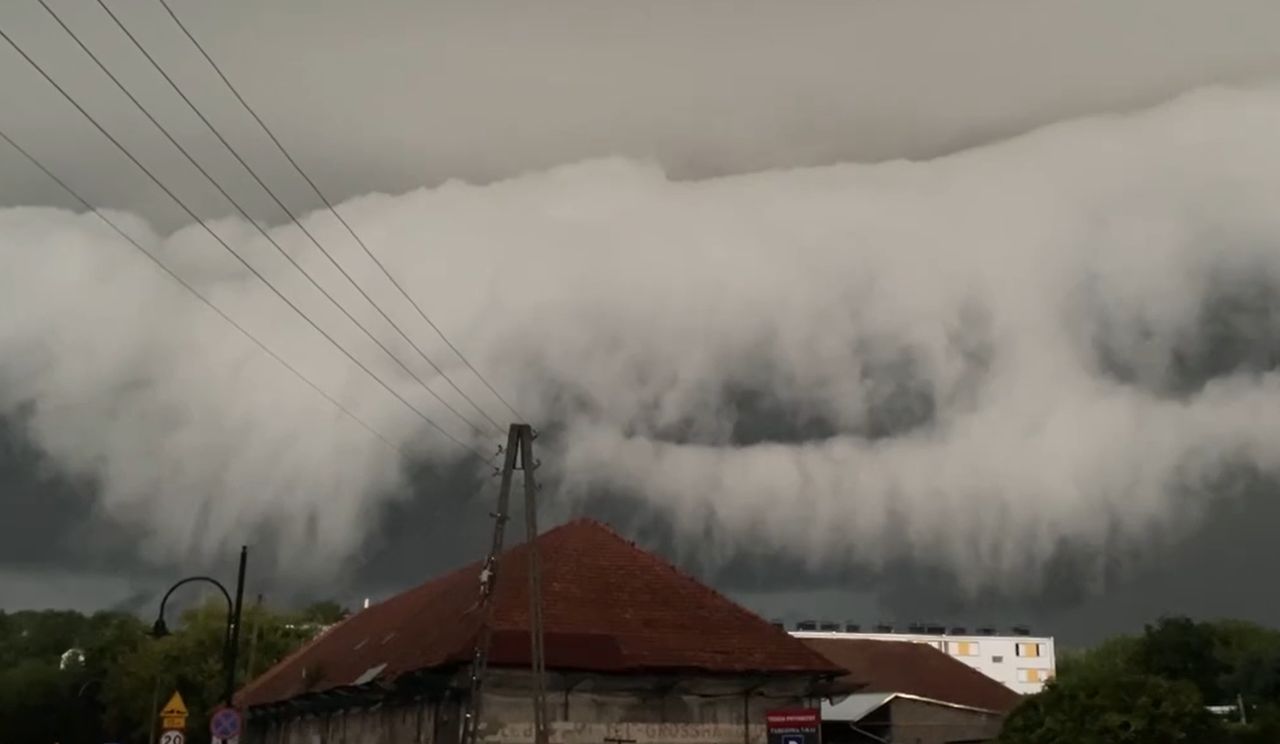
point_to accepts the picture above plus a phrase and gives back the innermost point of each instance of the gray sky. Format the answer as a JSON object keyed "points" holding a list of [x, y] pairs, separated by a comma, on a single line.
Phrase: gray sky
{"points": [[389, 96]]}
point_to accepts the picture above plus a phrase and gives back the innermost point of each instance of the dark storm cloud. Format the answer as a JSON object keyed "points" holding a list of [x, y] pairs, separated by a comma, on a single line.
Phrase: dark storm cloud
{"points": [[398, 95], [50, 518]]}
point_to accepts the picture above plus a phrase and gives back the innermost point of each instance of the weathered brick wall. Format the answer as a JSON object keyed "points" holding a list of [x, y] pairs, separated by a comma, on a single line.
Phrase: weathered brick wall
{"points": [[582, 711]]}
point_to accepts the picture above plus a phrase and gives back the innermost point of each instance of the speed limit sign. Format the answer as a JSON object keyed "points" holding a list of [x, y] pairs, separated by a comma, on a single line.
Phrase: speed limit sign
{"points": [[172, 737]]}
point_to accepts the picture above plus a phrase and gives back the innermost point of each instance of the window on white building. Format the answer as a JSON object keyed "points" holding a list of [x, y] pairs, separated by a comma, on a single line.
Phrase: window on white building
{"points": [[1030, 650], [1034, 675], [964, 648], [997, 659]]}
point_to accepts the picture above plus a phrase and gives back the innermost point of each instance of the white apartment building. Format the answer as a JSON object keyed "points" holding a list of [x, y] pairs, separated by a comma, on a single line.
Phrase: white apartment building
{"points": [[1020, 661]]}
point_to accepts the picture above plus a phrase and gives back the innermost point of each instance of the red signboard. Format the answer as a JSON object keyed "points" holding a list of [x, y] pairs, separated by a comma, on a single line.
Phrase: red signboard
{"points": [[794, 726], [793, 718]]}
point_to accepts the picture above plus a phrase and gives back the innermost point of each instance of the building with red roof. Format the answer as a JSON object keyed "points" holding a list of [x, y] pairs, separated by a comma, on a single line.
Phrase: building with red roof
{"points": [[635, 650], [907, 691]]}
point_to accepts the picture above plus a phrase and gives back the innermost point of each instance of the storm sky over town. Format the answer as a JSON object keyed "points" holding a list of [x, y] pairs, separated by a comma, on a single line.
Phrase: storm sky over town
{"points": [[965, 313]]}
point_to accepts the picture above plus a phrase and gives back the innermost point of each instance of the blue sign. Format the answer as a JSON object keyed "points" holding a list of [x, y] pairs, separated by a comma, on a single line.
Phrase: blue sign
{"points": [[225, 723]]}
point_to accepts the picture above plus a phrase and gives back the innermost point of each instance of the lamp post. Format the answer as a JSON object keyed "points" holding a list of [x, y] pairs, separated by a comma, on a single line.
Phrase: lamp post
{"points": [[231, 640]]}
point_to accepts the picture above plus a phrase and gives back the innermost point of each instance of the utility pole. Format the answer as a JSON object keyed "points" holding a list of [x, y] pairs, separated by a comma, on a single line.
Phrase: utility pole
{"points": [[253, 638], [537, 652], [519, 456], [233, 640]]}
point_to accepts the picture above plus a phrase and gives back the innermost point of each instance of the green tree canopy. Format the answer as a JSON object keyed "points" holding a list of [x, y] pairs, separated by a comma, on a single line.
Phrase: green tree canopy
{"points": [[1141, 688], [1104, 708], [126, 674]]}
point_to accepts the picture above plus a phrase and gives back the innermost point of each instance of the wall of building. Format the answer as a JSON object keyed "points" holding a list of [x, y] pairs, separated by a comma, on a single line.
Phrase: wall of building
{"points": [[1022, 663], [406, 723], [915, 721], [584, 709], [924, 722]]}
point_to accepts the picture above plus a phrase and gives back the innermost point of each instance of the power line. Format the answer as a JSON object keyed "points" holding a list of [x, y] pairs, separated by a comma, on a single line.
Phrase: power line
{"points": [[232, 251], [334, 211], [177, 89], [259, 227], [183, 282]]}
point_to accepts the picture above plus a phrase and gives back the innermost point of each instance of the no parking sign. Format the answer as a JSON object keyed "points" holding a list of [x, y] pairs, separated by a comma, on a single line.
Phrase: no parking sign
{"points": [[224, 724]]}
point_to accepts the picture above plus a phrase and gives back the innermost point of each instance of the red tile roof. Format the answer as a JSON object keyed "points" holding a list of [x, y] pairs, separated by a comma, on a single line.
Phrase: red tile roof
{"points": [[912, 668], [608, 607]]}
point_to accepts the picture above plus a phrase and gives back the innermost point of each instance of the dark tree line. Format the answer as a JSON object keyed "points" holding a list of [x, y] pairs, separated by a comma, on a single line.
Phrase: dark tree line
{"points": [[1179, 681], [116, 676]]}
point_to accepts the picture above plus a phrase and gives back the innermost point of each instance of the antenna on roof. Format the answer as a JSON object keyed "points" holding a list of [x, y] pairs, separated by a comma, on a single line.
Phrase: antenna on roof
{"points": [[519, 448]]}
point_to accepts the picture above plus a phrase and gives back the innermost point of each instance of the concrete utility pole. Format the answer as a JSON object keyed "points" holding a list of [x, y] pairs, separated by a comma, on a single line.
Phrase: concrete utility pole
{"points": [[519, 456]]}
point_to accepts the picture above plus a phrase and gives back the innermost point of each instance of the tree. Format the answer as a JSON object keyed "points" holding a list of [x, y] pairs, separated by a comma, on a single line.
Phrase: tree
{"points": [[1178, 648], [33, 700], [326, 612], [1223, 662], [126, 675], [189, 661], [1250, 656], [1106, 708], [1116, 655]]}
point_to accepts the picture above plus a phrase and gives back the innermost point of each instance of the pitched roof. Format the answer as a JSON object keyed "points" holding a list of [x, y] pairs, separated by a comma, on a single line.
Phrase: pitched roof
{"points": [[912, 668], [859, 705], [608, 607]]}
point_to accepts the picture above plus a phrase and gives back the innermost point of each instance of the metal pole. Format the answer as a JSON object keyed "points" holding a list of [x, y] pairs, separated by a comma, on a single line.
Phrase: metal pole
{"points": [[234, 628], [253, 638], [155, 710]]}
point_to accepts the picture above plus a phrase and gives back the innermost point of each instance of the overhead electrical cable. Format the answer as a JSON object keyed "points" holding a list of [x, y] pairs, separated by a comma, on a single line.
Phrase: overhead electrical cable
{"points": [[196, 110], [169, 192], [333, 210], [249, 218], [195, 292]]}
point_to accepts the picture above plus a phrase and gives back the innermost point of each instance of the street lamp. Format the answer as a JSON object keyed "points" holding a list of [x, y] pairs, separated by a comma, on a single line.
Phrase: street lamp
{"points": [[231, 640]]}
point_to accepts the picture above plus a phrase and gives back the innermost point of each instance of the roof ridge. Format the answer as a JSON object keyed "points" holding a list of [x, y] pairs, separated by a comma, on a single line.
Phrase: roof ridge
{"points": [[509, 549], [705, 589]]}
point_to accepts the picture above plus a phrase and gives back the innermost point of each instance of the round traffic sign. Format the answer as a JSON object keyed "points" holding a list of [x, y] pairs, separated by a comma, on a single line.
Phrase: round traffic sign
{"points": [[224, 724], [172, 737]]}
